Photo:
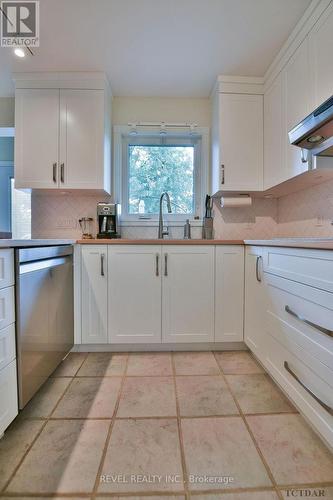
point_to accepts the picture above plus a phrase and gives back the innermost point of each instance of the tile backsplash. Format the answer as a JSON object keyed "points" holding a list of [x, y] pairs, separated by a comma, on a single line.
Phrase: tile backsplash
{"points": [[306, 213]]}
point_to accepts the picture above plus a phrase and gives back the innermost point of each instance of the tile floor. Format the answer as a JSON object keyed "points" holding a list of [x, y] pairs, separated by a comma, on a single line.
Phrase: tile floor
{"points": [[135, 425]]}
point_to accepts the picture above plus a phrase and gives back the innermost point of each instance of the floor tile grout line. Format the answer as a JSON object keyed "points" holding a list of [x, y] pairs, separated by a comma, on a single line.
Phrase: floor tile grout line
{"points": [[3, 489], [268, 470], [109, 433], [38, 433], [180, 435]]}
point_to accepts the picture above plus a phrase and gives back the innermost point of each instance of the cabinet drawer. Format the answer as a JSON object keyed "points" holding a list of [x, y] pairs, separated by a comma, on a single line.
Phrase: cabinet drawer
{"points": [[306, 381], [6, 267], [311, 267], [300, 315], [7, 307], [8, 396], [7, 345]]}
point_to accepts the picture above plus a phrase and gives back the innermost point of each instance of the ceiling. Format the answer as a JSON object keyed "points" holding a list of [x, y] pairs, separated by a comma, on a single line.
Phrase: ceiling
{"points": [[158, 47]]}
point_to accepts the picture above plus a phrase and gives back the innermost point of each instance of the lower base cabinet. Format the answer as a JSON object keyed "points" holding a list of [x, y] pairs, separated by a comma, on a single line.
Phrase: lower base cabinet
{"points": [[94, 289], [288, 324], [8, 396], [152, 294], [188, 293], [229, 293], [134, 294]]}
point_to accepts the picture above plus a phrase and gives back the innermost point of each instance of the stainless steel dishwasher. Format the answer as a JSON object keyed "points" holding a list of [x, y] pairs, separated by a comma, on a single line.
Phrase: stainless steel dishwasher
{"points": [[44, 312]]}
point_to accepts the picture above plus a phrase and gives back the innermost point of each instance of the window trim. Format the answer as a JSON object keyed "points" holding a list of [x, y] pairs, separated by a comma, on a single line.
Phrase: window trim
{"points": [[120, 184]]}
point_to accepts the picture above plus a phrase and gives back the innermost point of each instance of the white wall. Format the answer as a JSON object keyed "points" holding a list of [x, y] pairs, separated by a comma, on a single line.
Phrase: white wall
{"points": [[7, 106], [134, 109]]}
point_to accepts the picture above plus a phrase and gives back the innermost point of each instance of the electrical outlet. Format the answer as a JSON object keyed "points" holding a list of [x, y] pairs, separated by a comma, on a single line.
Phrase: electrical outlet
{"points": [[66, 223], [320, 221]]}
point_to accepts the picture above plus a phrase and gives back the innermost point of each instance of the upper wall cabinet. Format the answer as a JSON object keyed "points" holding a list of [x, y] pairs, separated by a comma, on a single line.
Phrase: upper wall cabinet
{"points": [[237, 142], [274, 169], [321, 50], [297, 105], [63, 135]]}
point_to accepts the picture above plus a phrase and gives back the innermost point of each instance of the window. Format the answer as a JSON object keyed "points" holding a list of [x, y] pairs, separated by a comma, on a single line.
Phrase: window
{"points": [[151, 164]]}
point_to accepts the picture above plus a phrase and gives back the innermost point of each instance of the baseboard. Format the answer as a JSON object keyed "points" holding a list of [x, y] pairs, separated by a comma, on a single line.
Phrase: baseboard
{"points": [[206, 346]]}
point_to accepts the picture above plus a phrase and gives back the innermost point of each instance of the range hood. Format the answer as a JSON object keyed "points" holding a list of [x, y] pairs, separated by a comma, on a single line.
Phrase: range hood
{"points": [[315, 132]]}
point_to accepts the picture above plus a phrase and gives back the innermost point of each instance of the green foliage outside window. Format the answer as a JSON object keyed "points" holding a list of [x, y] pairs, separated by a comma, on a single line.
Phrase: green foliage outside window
{"points": [[155, 169]]}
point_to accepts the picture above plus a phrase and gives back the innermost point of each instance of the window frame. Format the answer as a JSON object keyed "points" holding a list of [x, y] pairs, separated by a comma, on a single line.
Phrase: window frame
{"points": [[122, 139]]}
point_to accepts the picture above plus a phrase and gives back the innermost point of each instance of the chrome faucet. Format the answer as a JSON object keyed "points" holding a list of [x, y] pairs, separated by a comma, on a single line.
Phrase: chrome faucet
{"points": [[161, 230]]}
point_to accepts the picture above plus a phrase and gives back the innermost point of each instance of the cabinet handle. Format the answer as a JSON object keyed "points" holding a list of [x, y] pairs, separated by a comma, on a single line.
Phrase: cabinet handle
{"points": [[304, 320], [102, 264], [165, 264], [157, 267], [258, 274], [222, 174], [62, 172], [54, 174], [324, 405]]}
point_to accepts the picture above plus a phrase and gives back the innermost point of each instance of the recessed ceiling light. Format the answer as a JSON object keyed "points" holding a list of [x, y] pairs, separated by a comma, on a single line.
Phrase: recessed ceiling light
{"points": [[19, 52]]}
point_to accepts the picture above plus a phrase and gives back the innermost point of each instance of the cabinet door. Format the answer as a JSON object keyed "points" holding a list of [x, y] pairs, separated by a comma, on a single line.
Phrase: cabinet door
{"points": [[229, 293], [81, 139], [255, 298], [134, 294], [274, 146], [36, 138], [94, 294], [6, 267], [241, 141], [321, 50], [296, 77], [188, 294], [8, 396]]}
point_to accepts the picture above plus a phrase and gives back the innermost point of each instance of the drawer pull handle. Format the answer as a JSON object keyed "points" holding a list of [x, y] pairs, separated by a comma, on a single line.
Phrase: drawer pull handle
{"points": [[157, 265], [324, 405], [258, 273], [300, 318], [102, 264]]}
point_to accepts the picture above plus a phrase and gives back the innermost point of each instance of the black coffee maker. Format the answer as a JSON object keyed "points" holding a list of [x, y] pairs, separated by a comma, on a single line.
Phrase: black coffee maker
{"points": [[108, 220]]}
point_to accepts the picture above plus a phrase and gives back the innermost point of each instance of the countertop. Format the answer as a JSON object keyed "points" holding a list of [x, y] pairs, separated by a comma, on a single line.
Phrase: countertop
{"points": [[315, 243], [33, 243], [123, 241]]}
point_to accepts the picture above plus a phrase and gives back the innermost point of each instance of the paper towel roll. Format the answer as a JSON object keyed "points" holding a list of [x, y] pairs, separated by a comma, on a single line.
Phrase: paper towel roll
{"points": [[236, 201]]}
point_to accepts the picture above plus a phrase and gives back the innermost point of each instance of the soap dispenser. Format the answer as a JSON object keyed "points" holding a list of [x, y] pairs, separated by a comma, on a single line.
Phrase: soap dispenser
{"points": [[187, 230]]}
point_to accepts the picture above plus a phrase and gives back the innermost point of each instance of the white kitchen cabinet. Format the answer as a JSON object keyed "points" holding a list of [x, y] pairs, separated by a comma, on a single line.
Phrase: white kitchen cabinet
{"points": [[81, 138], [63, 136], [297, 105], [134, 294], [229, 293], [288, 324], [94, 290], [188, 293], [274, 144], [36, 138], [255, 299], [237, 142], [6, 267], [7, 345], [321, 50], [7, 306], [8, 396]]}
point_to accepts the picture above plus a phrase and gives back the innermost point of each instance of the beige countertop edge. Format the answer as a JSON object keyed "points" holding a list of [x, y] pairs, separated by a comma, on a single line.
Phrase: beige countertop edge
{"points": [[158, 242]]}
